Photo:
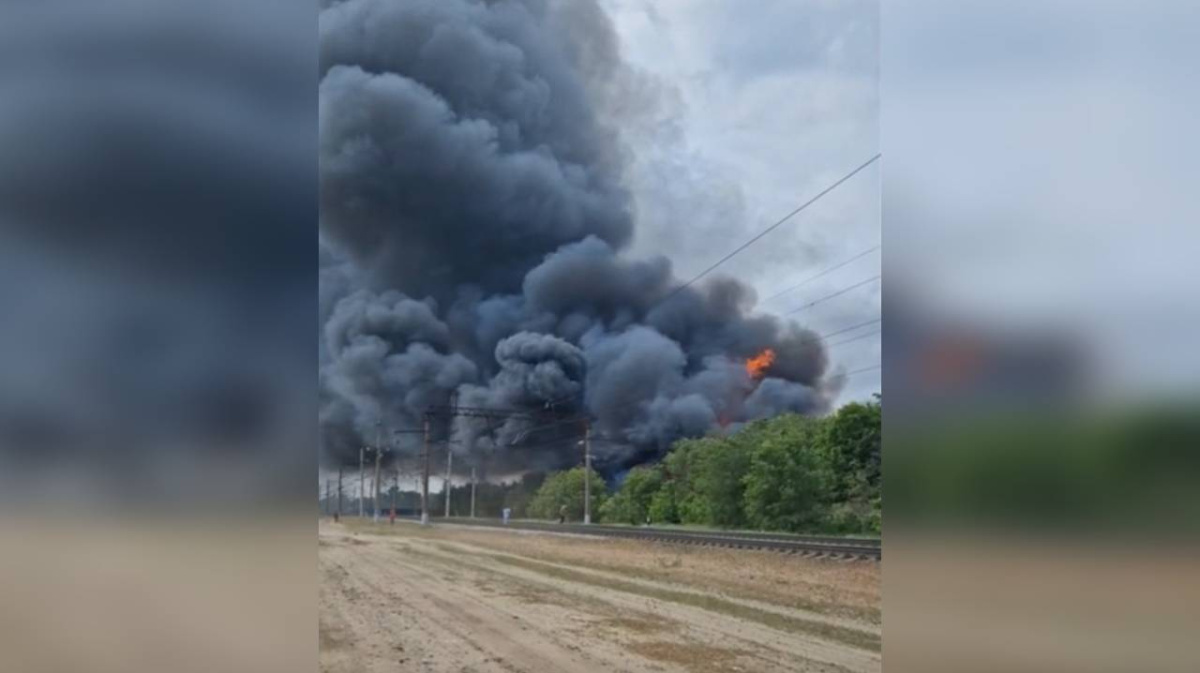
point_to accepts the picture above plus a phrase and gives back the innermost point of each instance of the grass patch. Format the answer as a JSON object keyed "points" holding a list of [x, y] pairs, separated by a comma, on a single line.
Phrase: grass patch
{"points": [[693, 657], [330, 638], [699, 528], [503, 585], [841, 634], [638, 625], [665, 572]]}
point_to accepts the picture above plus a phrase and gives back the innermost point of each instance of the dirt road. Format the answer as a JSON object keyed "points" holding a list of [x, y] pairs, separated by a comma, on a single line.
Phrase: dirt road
{"points": [[409, 599]]}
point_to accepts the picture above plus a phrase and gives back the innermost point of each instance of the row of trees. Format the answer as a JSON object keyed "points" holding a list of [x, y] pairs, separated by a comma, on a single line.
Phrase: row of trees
{"points": [[791, 473]]}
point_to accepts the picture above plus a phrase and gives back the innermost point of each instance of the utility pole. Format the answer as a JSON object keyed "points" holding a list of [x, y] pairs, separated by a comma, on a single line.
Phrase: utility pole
{"points": [[587, 472], [327, 506], [375, 500], [361, 481], [395, 487], [472, 491], [425, 476], [450, 454], [375, 481], [449, 466], [339, 505]]}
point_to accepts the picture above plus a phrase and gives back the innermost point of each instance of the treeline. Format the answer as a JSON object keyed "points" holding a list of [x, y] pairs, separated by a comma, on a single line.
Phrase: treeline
{"points": [[791, 473], [490, 499]]}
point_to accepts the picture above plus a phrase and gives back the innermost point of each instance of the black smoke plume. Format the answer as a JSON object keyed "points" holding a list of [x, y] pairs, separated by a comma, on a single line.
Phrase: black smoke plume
{"points": [[473, 215]]}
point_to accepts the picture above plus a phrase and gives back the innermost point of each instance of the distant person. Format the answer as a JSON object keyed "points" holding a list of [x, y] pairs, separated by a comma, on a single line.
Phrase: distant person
{"points": [[562, 514], [506, 513], [337, 517]]}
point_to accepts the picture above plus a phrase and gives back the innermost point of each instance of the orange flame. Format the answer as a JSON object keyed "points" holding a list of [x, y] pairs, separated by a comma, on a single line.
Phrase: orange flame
{"points": [[757, 365]]}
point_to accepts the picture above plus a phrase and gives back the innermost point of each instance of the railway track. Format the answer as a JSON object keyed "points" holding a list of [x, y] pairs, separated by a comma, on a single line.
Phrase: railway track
{"points": [[808, 545]]}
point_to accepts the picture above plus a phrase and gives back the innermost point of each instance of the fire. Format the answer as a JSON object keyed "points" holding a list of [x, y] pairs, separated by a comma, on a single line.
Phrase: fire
{"points": [[757, 365]]}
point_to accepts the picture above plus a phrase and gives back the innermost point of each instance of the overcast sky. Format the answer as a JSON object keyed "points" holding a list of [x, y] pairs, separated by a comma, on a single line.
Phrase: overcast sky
{"points": [[763, 109], [1040, 176]]}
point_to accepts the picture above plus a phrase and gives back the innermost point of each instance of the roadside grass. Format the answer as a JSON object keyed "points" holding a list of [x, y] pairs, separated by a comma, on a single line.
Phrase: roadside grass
{"points": [[690, 528], [692, 656], [527, 592], [853, 637], [664, 573], [698, 528]]}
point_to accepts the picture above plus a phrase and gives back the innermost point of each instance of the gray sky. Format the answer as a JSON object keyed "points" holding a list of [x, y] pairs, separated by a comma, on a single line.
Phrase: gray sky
{"points": [[1041, 175], [763, 108]]}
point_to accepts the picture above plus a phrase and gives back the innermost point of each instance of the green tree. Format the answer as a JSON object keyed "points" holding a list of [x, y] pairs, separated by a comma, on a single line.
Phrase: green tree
{"points": [[853, 442], [707, 475], [788, 483], [566, 488], [662, 505], [631, 503], [674, 500], [788, 473]]}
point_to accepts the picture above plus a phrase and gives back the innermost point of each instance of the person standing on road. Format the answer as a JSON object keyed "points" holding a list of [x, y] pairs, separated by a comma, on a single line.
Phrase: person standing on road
{"points": [[507, 513]]}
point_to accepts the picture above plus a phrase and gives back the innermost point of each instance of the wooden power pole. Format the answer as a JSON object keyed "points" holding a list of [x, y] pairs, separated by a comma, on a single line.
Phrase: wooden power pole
{"points": [[375, 499], [587, 472], [362, 482], [396, 489], [425, 475], [449, 467]]}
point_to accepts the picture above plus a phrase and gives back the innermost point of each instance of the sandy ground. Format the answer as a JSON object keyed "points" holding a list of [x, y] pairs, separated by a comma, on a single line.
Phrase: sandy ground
{"points": [[404, 598]]}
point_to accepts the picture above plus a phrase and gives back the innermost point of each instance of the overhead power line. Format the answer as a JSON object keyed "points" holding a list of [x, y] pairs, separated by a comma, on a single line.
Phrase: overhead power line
{"points": [[773, 227], [851, 328], [822, 273], [854, 338], [835, 294], [864, 369]]}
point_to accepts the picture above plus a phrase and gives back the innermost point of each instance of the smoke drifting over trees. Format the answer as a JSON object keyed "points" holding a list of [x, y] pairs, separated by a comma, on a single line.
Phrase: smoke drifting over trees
{"points": [[473, 217]]}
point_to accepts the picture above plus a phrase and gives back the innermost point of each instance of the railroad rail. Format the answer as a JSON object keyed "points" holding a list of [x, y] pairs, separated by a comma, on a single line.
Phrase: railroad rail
{"points": [[808, 545]]}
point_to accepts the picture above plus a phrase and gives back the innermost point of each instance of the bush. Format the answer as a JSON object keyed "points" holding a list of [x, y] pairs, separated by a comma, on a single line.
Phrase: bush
{"points": [[566, 488], [708, 477], [631, 503], [662, 504], [789, 480], [791, 473]]}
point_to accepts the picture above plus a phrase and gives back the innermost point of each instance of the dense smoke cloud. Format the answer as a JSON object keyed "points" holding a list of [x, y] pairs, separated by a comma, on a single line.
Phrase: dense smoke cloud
{"points": [[473, 217], [458, 144]]}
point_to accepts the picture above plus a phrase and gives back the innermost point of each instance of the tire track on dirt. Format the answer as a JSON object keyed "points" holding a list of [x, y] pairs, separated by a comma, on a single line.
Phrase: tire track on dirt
{"points": [[407, 603], [780, 650], [461, 631]]}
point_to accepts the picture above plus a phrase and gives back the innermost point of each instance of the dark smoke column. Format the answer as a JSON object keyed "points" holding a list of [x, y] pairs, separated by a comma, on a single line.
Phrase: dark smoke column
{"points": [[459, 144], [473, 217]]}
